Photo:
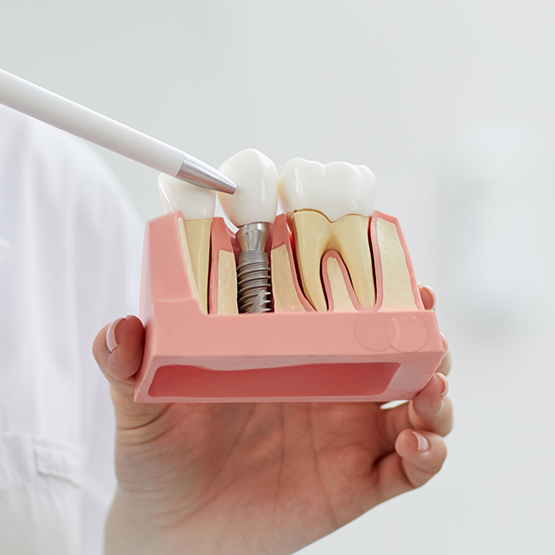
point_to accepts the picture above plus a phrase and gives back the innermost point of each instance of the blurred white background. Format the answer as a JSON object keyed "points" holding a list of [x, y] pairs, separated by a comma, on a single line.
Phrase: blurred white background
{"points": [[452, 106]]}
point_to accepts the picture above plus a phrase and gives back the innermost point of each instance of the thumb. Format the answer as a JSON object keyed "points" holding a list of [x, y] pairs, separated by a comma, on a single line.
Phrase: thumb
{"points": [[118, 350]]}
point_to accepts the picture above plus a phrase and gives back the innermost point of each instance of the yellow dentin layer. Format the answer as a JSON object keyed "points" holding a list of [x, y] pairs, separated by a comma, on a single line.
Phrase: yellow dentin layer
{"points": [[195, 242], [314, 235]]}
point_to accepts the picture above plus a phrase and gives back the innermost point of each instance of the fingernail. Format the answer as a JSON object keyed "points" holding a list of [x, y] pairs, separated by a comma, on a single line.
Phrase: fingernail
{"points": [[423, 443], [111, 341], [432, 294], [445, 344], [445, 389]]}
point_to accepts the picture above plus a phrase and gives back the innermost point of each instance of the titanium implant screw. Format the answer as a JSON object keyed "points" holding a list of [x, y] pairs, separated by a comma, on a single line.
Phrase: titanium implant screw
{"points": [[253, 269]]}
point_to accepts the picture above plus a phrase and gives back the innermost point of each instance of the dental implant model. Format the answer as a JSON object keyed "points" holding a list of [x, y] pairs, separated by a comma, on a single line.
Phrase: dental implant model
{"points": [[344, 319], [252, 208]]}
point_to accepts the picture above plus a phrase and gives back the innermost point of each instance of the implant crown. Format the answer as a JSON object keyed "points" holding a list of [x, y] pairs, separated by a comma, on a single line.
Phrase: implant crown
{"points": [[257, 188]]}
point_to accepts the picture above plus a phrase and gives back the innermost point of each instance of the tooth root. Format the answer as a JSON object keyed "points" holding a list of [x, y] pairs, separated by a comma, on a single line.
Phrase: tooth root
{"points": [[223, 273], [350, 239], [286, 291], [198, 239], [227, 284], [189, 265], [337, 284], [312, 232]]}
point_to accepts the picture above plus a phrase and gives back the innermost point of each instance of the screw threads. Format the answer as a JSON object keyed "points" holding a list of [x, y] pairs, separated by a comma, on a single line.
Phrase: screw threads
{"points": [[253, 281]]}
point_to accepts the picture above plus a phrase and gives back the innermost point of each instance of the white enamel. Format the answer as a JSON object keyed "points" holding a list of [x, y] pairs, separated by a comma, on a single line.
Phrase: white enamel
{"points": [[255, 199], [194, 202], [335, 189]]}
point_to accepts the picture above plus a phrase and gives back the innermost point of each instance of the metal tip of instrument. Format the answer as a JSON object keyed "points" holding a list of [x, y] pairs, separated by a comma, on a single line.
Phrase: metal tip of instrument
{"points": [[199, 173]]}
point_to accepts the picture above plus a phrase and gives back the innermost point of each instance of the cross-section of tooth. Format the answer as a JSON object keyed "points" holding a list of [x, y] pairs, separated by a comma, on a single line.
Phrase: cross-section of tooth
{"points": [[315, 235], [197, 206], [330, 207]]}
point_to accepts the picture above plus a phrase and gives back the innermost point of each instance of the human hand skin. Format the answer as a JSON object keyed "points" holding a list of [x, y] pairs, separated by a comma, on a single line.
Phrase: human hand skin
{"points": [[257, 478]]}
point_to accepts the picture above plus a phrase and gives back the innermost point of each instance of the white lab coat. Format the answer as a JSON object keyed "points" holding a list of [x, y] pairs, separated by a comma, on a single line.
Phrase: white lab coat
{"points": [[69, 263]]}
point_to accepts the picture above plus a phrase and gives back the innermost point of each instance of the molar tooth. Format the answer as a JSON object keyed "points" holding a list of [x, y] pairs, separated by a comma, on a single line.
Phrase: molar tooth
{"points": [[335, 189], [330, 207], [197, 206]]}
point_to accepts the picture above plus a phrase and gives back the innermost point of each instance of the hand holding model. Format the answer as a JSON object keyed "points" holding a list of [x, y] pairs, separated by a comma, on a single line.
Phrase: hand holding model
{"points": [[269, 478], [264, 478]]}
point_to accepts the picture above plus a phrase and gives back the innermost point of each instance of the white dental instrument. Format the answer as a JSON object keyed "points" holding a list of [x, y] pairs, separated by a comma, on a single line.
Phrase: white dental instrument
{"points": [[69, 116]]}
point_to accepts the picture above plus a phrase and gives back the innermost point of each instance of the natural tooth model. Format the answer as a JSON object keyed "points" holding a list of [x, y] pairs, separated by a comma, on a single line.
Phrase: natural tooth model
{"points": [[197, 207], [252, 208], [330, 207]]}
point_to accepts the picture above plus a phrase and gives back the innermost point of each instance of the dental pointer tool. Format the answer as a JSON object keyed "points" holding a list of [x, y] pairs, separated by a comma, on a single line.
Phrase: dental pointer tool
{"points": [[69, 116]]}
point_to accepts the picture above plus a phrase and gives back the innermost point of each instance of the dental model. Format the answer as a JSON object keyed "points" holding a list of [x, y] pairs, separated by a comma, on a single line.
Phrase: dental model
{"points": [[252, 208], [348, 323]]}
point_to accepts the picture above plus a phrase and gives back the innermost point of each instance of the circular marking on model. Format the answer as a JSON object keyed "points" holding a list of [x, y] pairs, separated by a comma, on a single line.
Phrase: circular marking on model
{"points": [[407, 332], [371, 332]]}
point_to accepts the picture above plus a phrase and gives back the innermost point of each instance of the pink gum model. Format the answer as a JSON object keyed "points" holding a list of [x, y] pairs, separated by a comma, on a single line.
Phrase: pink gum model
{"points": [[190, 356]]}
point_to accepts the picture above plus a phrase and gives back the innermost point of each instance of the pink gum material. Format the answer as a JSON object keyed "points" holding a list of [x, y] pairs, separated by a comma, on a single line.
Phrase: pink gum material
{"points": [[190, 356]]}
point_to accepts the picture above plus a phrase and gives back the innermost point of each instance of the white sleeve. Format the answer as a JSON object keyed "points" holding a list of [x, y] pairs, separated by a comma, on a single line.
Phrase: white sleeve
{"points": [[72, 266], [107, 255]]}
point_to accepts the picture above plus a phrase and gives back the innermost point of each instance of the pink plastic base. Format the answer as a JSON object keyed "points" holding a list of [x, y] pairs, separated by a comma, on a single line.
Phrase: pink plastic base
{"points": [[195, 357]]}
